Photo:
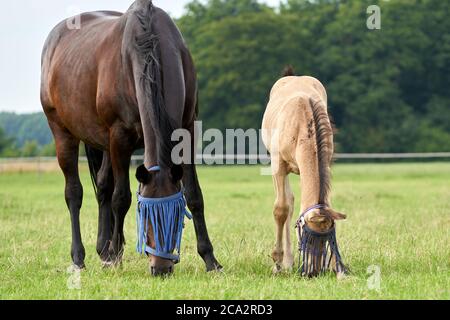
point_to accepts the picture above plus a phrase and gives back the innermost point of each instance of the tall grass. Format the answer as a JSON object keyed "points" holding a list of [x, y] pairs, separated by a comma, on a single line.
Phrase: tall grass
{"points": [[398, 221]]}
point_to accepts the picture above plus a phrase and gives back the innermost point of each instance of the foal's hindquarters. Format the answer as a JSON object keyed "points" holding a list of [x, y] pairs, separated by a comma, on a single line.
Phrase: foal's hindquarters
{"points": [[298, 134]]}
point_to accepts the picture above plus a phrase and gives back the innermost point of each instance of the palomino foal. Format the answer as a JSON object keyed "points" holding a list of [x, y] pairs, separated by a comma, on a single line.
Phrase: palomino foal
{"points": [[298, 134]]}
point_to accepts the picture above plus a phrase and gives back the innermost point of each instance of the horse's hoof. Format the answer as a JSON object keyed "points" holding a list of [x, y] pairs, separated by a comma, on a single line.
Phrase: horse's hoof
{"points": [[109, 264], [76, 268], [216, 269], [213, 266], [79, 264]]}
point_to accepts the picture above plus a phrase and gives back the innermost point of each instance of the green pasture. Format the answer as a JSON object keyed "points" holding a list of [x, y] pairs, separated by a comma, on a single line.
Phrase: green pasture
{"points": [[398, 223]]}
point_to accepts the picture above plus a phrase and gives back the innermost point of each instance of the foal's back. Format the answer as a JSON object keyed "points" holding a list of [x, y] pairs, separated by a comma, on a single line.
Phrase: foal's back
{"points": [[289, 115]]}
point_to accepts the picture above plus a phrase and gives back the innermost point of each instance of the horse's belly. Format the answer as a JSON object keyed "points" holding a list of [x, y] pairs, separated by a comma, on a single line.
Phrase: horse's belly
{"points": [[84, 126]]}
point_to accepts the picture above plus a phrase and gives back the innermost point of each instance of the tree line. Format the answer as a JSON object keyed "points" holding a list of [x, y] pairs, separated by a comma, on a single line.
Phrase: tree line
{"points": [[25, 135], [388, 89]]}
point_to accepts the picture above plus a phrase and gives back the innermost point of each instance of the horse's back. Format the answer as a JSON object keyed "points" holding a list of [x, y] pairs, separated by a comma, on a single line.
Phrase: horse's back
{"points": [[289, 112], [74, 61], [288, 86], [69, 25], [90, 75], [66, 39]]}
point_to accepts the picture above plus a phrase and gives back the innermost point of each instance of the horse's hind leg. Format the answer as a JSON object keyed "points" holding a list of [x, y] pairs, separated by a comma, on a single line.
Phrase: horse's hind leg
{"points": [[105, 189], [67, 147], [121, 149]]}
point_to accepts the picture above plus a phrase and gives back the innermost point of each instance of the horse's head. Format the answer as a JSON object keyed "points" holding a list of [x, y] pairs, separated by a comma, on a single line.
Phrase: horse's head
{"points": [[318, 245], [161, 212]]}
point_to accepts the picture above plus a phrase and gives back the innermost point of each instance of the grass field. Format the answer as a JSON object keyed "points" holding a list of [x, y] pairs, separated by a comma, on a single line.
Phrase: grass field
{"points": [[398, 220]]}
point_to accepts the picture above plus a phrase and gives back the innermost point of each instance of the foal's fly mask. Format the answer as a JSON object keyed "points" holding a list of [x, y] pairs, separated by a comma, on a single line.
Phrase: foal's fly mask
{"points": [[317, 249]]}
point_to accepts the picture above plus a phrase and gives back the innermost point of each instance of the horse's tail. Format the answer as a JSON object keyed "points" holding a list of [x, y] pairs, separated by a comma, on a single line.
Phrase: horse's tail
{"points": [[95, 158], [288, 71], [147, 45], [325, 146]]}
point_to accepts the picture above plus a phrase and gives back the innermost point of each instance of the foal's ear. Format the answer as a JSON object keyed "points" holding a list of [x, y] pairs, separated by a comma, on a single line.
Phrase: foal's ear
{"points": [[336, 215], [176, 173], [142, 174]]}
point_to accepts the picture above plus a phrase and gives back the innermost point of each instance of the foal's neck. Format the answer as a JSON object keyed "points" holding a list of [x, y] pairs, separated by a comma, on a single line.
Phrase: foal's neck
{"points": [[313, 189]]}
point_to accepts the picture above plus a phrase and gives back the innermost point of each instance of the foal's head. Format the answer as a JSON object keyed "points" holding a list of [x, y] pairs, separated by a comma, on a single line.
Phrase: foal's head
{"points": [[161, 214], [322, 220], [318, 244]]}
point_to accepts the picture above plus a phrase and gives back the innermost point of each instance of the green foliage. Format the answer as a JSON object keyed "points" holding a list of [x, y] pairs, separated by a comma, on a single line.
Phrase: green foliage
{"points": [[5, 142], [26, 127], [388, 88], [48, 150], [28, 135], [30, 149]]}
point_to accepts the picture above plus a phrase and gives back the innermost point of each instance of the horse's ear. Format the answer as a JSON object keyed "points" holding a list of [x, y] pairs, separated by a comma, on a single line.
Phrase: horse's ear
{"points": [[142, 174], [288, 71], [336, 215], [176, 173]]}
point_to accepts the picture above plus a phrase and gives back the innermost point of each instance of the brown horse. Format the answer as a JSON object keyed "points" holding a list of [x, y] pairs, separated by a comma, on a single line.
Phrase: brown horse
{"points": [[298, 134], [119, 83]]}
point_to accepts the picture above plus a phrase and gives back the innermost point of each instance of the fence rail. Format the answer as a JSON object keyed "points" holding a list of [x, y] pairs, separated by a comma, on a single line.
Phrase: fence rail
{"points": [[263, 158]]}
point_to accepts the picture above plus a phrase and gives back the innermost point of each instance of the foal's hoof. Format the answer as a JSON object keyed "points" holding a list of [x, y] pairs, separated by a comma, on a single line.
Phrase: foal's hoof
{"points": [[277, 269], [341, 276]]}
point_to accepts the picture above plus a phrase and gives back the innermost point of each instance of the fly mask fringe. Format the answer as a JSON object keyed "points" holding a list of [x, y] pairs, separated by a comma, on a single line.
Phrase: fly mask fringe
{"points": [[317, 251], [167, 219]]}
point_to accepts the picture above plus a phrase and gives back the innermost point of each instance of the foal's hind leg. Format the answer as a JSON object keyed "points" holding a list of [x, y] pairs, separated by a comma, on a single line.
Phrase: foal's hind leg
{"points": [[67, 147], [281, 213], [288, 257]]}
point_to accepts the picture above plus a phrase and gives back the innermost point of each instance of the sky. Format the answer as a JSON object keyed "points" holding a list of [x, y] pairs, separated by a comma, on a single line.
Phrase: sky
{"points": [[24, 26]]}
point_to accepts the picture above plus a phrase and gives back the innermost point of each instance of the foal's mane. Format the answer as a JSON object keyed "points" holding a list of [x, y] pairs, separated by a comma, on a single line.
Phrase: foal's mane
{"points": [[323, 133], [147, 46]]}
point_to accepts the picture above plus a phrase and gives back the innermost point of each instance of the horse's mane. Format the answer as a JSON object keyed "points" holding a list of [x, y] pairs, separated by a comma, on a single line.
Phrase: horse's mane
{"points": [[147, 46], [288, 71], [323, 133]]}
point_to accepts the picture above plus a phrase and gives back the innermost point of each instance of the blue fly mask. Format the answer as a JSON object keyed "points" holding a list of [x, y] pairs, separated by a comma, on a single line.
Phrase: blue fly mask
{"points": [[317, 249], [166, 216]]}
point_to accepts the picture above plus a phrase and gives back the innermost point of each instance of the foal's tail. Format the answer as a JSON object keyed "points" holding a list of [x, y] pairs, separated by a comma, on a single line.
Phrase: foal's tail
{"points": [[95, 158]]}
